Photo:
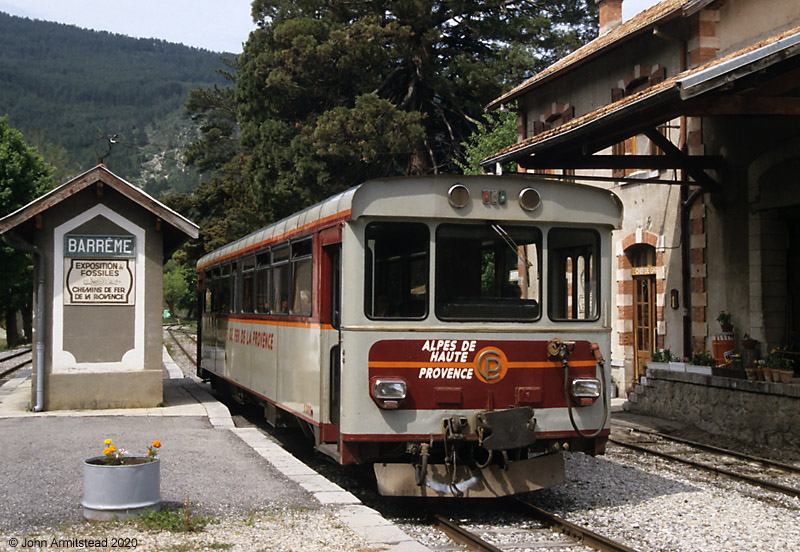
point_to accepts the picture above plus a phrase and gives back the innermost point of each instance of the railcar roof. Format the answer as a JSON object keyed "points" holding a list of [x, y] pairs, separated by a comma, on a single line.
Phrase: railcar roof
{"points": [[426, 197]]}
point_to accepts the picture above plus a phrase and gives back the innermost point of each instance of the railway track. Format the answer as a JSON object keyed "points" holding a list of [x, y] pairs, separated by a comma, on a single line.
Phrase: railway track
{"points": [[172, 331], [10, 361], [542, 531], [762, 472]]}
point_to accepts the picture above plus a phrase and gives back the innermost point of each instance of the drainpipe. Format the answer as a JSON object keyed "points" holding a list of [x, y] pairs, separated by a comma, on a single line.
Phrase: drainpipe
{"points": [[18, 243], [686, 207]]}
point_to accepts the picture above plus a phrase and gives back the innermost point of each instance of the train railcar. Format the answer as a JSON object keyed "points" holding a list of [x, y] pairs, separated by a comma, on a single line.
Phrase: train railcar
{"points": [[448, 330]]}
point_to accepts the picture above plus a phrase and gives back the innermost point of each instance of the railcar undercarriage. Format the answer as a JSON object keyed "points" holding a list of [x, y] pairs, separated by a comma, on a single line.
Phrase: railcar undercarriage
{"points": [[501, 455]]}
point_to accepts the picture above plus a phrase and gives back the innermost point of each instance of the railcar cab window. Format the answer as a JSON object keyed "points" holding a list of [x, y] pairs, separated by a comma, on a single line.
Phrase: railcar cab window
{"points": [[487, 272], [573, 274], [396, 270]]}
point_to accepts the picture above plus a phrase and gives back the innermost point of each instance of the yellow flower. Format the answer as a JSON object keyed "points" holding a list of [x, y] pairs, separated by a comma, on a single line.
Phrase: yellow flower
{"points": [[157, 443], [107, 442], [112, 449]]}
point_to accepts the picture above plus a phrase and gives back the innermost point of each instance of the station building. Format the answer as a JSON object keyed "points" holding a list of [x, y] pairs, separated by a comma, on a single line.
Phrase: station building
{"points": [[99, 244], [689, 111]]}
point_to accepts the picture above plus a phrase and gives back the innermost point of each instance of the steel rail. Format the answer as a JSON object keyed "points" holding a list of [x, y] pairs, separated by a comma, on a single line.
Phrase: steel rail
{"points": [[181, 347], [180, 328], [576, 532], [14, 354], [15, 368], [712, 448], [791, 491], [580, 535], [461, 535]]}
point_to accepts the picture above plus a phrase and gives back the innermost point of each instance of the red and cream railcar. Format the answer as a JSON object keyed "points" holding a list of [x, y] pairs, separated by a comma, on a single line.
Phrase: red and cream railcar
{"points": [[449, 330]]}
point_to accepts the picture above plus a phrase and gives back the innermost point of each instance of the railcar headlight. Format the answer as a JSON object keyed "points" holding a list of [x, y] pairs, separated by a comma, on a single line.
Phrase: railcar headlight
{"points": [[388, 393], [529, 199], [586, 391], [394, 389], [458, 196]]}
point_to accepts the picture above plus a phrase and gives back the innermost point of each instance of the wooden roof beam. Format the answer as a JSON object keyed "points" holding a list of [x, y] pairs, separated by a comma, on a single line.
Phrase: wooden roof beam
{"points": [[694, 170]]}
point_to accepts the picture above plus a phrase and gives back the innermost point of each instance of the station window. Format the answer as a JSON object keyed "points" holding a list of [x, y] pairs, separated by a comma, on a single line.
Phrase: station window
{"points": [[301, 277], [396, 270], [488, 272], [280, 280], [573, 274], [262, 282]]}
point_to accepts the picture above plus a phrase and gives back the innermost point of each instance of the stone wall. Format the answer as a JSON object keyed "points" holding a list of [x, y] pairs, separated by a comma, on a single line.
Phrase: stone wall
{"points": [[753, 411]]}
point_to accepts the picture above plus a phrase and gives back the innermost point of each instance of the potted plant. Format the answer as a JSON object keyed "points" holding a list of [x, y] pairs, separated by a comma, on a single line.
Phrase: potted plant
{"points": [[702, 362], [748, 342], [678, 364], [781, 366], [725, 321], [751, 370], [118, 486], [659, 359]]}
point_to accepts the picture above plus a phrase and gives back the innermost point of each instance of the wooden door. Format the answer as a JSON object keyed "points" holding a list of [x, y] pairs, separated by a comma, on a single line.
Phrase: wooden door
{"points": [[644, 321]]}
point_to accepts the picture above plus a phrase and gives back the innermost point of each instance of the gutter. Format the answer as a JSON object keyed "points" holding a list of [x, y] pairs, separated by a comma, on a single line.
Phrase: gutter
{"points": [[18, 243], [740, 66]]}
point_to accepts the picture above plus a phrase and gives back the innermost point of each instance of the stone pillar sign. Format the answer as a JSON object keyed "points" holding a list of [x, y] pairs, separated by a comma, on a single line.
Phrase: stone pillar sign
{"points": [[103, 242]]}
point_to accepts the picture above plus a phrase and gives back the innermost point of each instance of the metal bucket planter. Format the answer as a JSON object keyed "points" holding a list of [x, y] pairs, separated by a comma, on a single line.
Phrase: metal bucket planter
{"points": [[120, 492]]}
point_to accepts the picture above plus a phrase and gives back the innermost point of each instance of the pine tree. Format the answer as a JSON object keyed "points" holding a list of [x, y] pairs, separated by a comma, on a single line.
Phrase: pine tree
{"points": [[331, 93], [23, 177]]}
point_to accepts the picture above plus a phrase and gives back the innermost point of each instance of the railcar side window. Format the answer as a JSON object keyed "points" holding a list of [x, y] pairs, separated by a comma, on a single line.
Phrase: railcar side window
{"points": [[396, 270], [487, 272], [573, 274], [224, 290], [236, 288], [262, 282], [248, 284], [208, 283], [280, 280], [301, 278]]}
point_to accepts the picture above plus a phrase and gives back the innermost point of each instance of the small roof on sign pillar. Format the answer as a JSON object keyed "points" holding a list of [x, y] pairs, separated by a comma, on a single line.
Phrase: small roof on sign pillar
{"points": [[175, 227]]}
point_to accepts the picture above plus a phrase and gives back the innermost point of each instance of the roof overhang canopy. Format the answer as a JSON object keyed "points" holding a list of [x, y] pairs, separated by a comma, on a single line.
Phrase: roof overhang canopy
{"points": [[174, 227], [758, 80]]}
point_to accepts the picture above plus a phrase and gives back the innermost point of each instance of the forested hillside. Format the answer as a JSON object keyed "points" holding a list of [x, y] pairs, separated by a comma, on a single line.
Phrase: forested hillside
{"points": [[63, 87]]}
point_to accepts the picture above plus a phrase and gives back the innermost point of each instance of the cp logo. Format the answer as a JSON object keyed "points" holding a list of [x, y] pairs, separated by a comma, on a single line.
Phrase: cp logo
{"points": [[491, 365]]}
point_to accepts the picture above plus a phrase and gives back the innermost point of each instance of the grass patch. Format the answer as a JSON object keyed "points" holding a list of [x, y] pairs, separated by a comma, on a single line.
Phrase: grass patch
{"points": [[179, 521]]}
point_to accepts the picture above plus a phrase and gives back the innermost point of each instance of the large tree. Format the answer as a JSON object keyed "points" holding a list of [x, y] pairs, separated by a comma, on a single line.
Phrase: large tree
{"points": [[222, 204], [23, 176], [333, 92]]}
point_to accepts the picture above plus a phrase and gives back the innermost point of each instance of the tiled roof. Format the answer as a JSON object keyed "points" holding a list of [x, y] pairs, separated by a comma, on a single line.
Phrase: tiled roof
{"points": [[674, 81], [661, 11]]}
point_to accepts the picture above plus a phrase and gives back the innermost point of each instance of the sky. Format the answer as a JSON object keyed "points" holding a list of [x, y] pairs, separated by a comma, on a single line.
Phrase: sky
{"points": [[216, 25], [630, 7]]}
